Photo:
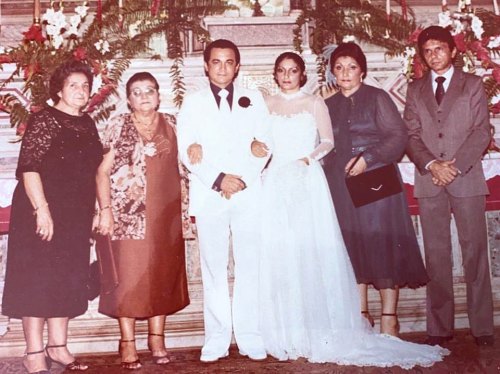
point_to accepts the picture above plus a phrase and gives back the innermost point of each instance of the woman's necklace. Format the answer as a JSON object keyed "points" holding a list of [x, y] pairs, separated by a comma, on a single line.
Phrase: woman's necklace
{"points": [[146, 129]]}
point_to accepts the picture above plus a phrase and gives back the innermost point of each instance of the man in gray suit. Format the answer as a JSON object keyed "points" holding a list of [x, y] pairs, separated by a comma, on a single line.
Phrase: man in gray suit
{"points": [[448, 122]]}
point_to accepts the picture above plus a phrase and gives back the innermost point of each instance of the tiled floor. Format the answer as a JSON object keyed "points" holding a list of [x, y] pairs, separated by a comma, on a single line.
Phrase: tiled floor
{"points": [[465, 357]]}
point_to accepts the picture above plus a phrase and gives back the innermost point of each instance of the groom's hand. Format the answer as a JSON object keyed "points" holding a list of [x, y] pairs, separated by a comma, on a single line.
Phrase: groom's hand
{"points": [[231, 184], [195, 153]]}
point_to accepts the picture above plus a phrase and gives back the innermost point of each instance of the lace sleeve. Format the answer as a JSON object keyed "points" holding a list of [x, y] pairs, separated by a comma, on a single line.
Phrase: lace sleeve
{"points": [[324, 125], [42, 128]]}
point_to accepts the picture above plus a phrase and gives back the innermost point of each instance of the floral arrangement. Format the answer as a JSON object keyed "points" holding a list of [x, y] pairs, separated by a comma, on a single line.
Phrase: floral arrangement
{"points": [[477, 39], [118, 33]]}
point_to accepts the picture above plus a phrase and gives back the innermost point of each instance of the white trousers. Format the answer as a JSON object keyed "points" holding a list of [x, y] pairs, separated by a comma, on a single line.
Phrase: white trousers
{"points": [[241, 220]]}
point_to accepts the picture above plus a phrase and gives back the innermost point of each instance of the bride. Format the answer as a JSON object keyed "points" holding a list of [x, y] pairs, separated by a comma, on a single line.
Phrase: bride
{"points": [[310, 305]]}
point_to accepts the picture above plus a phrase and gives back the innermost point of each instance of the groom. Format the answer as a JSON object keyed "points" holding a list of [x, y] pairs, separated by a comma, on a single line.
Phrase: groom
{"points": [[225, 188]]}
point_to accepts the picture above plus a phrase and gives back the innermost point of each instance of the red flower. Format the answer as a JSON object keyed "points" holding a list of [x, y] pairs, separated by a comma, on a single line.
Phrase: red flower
{"points": [[100, 97], [460, 42], [495, 109], [80, 54], [34, 33]]}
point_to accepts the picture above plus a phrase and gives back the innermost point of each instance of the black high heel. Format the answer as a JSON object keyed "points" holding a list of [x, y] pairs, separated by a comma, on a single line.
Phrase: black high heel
{"points": [[35, 372], [396, 326], [367, 315], [133, 365], [72, 366], [158, 360]]}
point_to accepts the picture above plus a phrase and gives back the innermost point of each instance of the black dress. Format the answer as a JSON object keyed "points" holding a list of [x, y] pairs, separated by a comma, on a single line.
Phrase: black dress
{"points": [[49, 279], [379, 236]]}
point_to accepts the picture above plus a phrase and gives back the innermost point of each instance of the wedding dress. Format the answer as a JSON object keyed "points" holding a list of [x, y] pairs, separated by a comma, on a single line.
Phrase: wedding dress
{"points": [[309, 298]]}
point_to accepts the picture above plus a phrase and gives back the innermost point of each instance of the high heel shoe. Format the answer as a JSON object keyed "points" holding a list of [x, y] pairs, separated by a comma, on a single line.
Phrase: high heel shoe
{"points": [[129, 365], [394, 329], [367, 315], [72, 366], [158, 360], [34, 372]]}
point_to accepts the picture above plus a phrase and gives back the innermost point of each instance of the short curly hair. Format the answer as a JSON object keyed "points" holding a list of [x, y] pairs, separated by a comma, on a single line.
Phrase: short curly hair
{"points": [[62, 73]]}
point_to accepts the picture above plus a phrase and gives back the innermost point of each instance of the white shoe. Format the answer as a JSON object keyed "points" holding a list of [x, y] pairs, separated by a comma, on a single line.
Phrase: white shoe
{"points": [[257, 355], [208, 357]]}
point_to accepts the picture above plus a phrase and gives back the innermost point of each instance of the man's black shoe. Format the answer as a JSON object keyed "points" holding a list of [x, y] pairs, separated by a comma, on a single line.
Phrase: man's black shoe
{"points": [[485, 340], [437, 340]]}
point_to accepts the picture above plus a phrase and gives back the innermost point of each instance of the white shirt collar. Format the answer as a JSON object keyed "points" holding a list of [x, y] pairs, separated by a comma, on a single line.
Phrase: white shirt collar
{"points": [[447, 75]]}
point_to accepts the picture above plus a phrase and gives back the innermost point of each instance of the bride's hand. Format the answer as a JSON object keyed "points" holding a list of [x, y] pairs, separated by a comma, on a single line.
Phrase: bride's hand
{"points": [[259, 149], [305, 160]]}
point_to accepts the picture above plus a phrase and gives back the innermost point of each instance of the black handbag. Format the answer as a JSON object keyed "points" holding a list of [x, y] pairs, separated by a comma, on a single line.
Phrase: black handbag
{"points": [[372, 185], [103, 274]]}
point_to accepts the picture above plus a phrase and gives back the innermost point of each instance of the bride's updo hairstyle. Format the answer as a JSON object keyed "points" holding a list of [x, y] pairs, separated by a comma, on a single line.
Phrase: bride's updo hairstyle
{"points": [[349, 49], [297, 59]]}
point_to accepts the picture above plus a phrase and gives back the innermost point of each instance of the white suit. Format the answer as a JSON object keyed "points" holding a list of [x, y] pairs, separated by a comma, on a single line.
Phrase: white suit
{"points": [[226, 139]]}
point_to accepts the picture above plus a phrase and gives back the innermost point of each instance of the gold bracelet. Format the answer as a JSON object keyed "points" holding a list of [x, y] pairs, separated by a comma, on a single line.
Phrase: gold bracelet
{"points": [[106, 207]]}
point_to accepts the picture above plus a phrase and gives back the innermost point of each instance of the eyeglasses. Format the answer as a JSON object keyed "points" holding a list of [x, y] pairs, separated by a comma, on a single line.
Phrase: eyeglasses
{"points": [[148, 91]]}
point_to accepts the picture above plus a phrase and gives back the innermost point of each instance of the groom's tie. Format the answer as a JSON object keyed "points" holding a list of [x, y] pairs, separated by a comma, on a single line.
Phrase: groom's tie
{"points": [[224, 105]]}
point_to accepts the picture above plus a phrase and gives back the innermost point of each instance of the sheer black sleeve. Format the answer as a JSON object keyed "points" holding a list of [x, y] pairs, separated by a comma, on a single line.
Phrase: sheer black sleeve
{"points": [[41, 129]]}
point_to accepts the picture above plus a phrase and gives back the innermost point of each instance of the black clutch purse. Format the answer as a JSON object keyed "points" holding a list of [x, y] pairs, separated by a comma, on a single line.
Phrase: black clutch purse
{"points": [[373, 185]]}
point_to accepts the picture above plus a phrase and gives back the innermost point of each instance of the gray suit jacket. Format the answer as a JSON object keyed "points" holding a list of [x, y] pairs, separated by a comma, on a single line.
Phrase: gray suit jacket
{"points": [[458, 128]]}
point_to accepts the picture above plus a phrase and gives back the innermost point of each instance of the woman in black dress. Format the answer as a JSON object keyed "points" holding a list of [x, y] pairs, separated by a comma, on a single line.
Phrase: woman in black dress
{"points": [[51, 224], [379, 236]]}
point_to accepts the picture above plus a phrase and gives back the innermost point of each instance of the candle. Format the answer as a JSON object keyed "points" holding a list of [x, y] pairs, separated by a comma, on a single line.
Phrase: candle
{"points": [[468, 2], [36, 12], [388, 8], [495, 6], [443, 4], [120, 4]]}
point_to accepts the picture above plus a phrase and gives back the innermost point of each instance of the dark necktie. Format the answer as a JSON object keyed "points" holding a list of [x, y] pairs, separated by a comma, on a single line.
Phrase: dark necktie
{"points": [[440, 89]]}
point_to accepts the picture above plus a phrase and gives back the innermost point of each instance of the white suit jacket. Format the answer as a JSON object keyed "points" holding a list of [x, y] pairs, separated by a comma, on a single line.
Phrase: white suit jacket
{"points": [[226, 140]]}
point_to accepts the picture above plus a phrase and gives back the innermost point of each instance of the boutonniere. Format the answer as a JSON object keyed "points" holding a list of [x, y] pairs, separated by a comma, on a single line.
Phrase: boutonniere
{"points": [[244, 102], [149, 149]]}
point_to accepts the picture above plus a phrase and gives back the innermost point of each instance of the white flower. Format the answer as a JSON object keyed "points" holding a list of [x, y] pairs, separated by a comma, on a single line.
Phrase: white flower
{"points": [[2, 50], [409, 52], [458, 27], [494, 42], [444, 19], [81, 10], [52, 31], [348, 38], [149, 149], [96, 85], [74, 22], [102, 46], [57, 40], [495, 99], [477, 27], [461, 5], [133, 29]]}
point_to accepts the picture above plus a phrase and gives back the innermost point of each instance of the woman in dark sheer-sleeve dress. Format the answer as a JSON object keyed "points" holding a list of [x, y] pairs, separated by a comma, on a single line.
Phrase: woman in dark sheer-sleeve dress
{"points": [[379, 236], [51, 224]]}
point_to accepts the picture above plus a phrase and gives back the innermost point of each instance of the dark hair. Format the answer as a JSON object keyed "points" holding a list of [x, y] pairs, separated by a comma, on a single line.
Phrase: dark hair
{"points": [[297, 59], [62, 73], [140, 76], [221, 43], [352, 50], [435, 33]]}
